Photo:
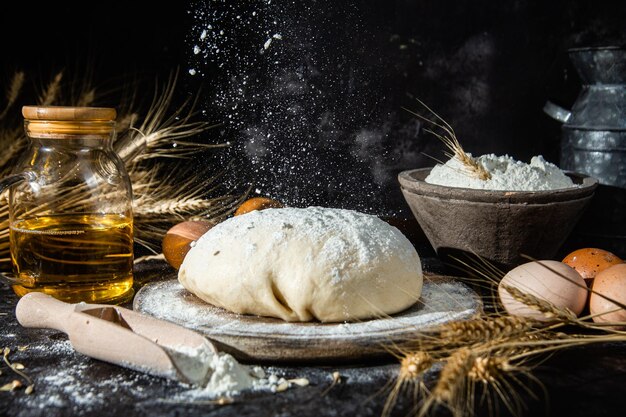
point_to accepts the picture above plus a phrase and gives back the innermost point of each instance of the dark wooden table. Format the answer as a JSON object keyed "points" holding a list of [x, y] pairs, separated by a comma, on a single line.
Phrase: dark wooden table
{"points": [[579, 382]]}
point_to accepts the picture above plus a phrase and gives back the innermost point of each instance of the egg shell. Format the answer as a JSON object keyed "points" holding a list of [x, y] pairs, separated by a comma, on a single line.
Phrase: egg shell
{"points": [[257, 203], [589, 262], [611, 283], [177, 240], [552, 281]]}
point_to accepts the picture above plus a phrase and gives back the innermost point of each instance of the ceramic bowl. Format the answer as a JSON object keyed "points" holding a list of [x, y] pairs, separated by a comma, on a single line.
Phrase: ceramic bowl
{"points": [[499, 226]]}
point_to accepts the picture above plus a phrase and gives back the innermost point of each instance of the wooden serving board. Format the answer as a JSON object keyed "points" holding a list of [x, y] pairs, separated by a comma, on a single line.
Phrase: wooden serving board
{"points": [[253, 338]]}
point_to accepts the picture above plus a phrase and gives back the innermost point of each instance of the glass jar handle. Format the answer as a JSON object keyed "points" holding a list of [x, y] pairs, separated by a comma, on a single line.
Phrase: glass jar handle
{"points": [[10, 279], [15, 179], [5, 183]]}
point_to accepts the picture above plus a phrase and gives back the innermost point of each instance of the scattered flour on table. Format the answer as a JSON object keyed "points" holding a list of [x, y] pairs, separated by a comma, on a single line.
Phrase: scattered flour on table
{"points": [[73, 381], [67, 380], [507, 174], [70, 383]]}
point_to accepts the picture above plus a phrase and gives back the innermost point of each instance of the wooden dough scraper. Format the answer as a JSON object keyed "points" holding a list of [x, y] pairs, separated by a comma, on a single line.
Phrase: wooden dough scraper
{"points": [[123, 337]]}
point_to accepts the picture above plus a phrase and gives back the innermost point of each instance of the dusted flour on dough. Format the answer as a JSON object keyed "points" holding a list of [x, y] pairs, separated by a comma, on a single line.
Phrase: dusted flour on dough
{"points": [[507, 174], [304, 264]]}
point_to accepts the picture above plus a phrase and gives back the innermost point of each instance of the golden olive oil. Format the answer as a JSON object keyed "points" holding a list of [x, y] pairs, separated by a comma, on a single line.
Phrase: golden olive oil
{"points": [[74, 257]]}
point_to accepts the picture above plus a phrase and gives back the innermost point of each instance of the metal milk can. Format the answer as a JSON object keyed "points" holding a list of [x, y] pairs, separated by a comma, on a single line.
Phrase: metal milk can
{"points": [[594, 131]]}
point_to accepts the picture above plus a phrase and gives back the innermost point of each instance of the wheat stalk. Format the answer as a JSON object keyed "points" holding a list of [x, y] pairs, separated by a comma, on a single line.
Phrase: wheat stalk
{"points": [[487, 369], [410, 378], [548, 309], [449, 139], [165, 193], [14, 90], [451, 384], [499, 378], [87, 98], [14, 142], [146, 207], [164, 200], [495, 352], [12, 139], [482, 329], [51, 93], [161, 132], [453, 375]]}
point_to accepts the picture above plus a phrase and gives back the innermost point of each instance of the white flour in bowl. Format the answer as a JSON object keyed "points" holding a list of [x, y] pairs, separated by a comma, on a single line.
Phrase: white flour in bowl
{"points": [[507, 174]]}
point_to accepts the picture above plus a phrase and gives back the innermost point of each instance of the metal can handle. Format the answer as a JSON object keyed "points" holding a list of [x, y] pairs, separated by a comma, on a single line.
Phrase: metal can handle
{"points": [[557, 112]]}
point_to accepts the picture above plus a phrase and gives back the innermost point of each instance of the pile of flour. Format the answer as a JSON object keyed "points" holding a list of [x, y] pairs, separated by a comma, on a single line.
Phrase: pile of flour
{"points": [[227, 376], [507, 174]]}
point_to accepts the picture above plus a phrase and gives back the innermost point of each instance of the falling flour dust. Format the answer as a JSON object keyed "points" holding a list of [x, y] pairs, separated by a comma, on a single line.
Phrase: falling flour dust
{"points": [[298, 97]]}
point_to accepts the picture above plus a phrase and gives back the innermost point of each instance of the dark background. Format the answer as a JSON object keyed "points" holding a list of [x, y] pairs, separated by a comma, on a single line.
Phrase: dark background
{"points": [[486, 66]]}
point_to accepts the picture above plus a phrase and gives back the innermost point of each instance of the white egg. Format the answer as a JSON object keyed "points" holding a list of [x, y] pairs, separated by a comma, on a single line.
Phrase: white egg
{"points": [[552, 281]]}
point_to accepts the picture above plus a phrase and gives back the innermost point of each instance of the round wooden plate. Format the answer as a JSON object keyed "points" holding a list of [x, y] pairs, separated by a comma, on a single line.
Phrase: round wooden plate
{"points": [[253, 338]]}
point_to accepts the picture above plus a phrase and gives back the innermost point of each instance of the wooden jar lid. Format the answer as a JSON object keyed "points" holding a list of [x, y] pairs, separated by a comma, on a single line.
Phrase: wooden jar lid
{"points": [[58, 122], [63, 113]]}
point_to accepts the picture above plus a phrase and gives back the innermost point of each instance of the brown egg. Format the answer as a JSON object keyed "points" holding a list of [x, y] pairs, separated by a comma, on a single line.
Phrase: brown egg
{"points": [[257, 203], [177, 240], [611, 283], [589, 262]]}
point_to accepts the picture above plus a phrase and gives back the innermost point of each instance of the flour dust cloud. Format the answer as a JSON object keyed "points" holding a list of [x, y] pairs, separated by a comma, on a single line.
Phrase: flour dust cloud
{"points": [[298, 89]]}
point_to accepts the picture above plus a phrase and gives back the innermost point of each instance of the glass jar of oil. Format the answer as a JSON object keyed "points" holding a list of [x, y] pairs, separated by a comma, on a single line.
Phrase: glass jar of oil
{"points": [[70, 205]]}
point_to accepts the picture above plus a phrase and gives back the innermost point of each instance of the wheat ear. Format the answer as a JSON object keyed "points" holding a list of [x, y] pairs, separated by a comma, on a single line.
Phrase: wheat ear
{"points": [[413, 365], [13, 92], [452, 375], [51, 94], [548, 309], [449, 139], [498, 377], [450, 388], [481, 330]]}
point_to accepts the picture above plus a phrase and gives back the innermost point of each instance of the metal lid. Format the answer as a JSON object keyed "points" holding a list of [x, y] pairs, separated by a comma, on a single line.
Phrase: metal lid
{"points": [[64, 113]]}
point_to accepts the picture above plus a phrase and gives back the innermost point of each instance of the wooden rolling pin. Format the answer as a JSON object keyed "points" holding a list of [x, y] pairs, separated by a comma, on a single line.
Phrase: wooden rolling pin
{"points": [[122, 337]]}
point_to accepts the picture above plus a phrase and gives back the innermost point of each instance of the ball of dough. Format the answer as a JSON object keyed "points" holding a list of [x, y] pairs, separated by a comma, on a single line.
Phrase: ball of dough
{"points": [[305, 264]]}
